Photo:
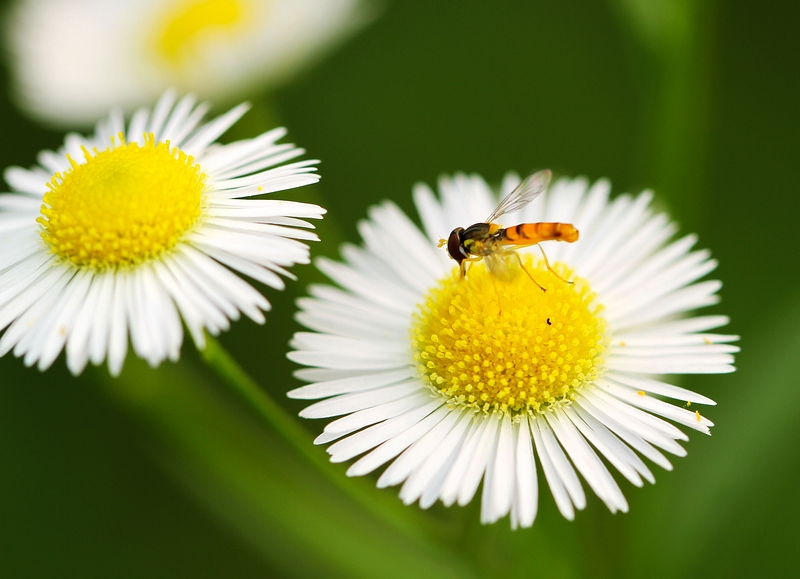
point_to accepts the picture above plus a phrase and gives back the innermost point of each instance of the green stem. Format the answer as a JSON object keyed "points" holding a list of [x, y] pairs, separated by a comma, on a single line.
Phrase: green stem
{"points": [[298, 438], [263, 405]]}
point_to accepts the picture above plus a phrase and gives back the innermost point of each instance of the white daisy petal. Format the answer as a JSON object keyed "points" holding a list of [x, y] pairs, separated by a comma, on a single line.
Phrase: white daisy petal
{"points": [[618, 226], [64, 323], [526, 490], [178, 133], [178, 119], [356, 327], [225, 161], [212, 316], [368, 416], [374, 435], [431, 214], [163, 107], [499, 492], [396, 228], [349, 385], [376, 291], [118, 331], [554, 481], [347, 403], [587, 462], [334, 297], [459, 378], [660, 388], [26, 308], [216, 280], [210, 132], [150, 249], [595, 416], [619, 455], [262, 273], [488, 514], [651, 236], [651, 427], [78, 342], [450, 450], [101, 320], [411, 426], [189, 305], [563, 468], [423, 447], [656, 263], [679, 415], [455, 480], [24, 259], [371, 349], [20, 294], [695, 296], [478, 461], [393, 436]]}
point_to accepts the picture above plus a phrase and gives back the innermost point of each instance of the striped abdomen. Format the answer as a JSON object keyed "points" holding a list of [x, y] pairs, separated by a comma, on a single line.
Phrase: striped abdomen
{"points": [[530, 233]]}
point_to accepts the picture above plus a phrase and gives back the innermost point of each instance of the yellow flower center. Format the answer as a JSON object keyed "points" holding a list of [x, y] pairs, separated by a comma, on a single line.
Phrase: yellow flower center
{"points": [[187, 24], [123, 205], [506, 345]]}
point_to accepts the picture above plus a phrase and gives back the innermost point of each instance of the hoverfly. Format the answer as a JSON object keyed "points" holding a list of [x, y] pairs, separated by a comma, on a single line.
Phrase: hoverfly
{"points": [[491, 242]]}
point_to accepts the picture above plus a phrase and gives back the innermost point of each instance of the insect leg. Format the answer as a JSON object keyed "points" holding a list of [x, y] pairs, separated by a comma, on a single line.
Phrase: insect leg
{"points": [[547, 265], [525, 269], [463, 264]]}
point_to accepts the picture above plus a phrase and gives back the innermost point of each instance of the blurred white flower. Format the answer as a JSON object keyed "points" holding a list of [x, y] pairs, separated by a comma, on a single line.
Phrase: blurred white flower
{"points": [[139, 231], [454, 382], [74, 60]]}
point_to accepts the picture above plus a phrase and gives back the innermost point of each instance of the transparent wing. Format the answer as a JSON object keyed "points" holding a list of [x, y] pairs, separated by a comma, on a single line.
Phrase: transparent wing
{"points": [[527, 191], [497, 265]]}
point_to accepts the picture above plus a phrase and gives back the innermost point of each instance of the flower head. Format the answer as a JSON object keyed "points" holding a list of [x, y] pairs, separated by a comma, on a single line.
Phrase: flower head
{"points": [[456, 381], [130, 231], [73, 60]]}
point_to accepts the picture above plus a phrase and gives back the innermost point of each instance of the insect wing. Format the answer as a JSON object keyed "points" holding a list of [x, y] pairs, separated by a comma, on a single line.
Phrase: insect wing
{"points": [[527, 191], [497, 265]]}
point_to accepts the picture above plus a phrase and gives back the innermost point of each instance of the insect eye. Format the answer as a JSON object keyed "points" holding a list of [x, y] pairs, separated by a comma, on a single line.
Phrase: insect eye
{"points": [[454, 245]]}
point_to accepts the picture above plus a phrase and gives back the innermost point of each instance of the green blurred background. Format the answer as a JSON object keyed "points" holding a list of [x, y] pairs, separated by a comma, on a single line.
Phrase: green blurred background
{"points": [[166, 474]]}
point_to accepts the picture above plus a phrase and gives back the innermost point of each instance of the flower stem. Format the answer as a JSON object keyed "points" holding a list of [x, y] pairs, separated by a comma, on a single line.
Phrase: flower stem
{"points": [[260, 402]]}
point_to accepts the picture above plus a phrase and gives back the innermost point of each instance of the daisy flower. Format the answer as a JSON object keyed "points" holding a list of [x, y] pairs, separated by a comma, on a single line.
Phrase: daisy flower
{"points": [[74, 60], [128, 232], [457, 381]]}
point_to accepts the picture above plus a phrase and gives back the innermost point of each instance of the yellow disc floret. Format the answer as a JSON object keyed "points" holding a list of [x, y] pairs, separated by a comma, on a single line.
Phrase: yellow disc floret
{"points": [[123, 205], [503, 344], [189, 23]]}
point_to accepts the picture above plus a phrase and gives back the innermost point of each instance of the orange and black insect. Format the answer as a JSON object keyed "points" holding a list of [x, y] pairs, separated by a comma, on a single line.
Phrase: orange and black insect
{"points": [[491, 242]]}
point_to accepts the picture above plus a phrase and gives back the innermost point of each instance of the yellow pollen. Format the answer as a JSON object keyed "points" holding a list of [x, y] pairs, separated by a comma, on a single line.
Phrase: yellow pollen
{"points": [[123, 205], [186, 26], [504, 345]]}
